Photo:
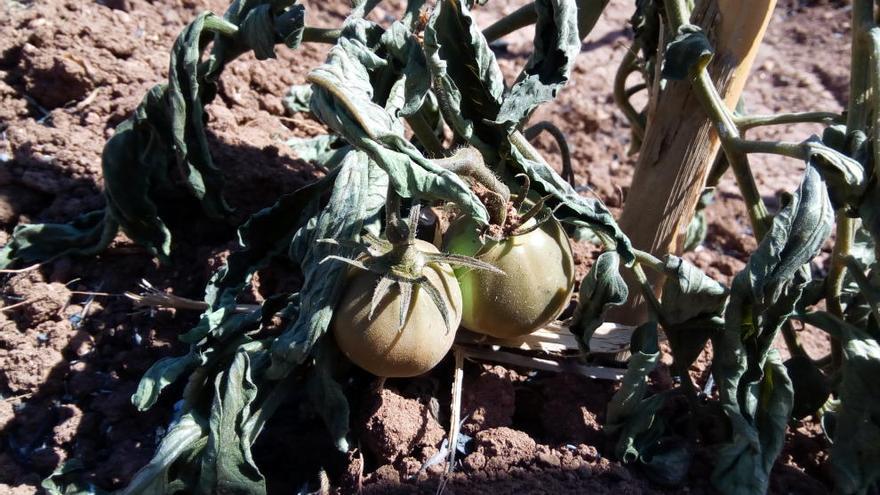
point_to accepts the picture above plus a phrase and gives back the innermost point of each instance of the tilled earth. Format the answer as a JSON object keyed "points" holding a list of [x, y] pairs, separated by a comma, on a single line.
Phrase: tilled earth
{"points": [[72, 350]]}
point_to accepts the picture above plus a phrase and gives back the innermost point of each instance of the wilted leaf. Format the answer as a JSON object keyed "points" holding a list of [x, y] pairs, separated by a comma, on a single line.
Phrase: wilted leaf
{"points": [[68, 479], [692, 305], [266, 234], [467, 79], [297, 98], [261, 29], [647, 25], [227, 465], [186, 114], [764, 294], [845, 177], [406, 53], [689, 293], [327, 396], [759, 422], [556, 45], [755, 390], [189, 434], [342, 219], [602, 288], [87, 234], [855, 456], [628, 400], [698, 226], [161, 374], [343, 100], [325, 150], [641, 435], [811, 388], [689, 52]]}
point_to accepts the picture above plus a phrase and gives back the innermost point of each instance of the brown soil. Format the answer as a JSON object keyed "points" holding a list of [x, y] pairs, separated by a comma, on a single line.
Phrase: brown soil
{"points": [[69, 361]]}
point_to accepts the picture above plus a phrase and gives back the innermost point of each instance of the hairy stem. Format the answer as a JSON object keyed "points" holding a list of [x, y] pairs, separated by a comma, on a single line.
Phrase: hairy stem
{"points": [[649, 260], [736, 156], [648, 293], [588, 13], [468, 162], [875, 107], [735, 149], [394, 229], [857, 120]]}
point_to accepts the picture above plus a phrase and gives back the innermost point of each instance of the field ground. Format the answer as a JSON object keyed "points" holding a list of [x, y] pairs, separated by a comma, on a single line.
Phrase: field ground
{"points": [[71, 70]]}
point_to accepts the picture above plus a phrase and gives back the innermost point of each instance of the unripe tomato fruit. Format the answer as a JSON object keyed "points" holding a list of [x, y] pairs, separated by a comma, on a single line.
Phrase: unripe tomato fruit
{"points": [[536, 286], [375, 344]]}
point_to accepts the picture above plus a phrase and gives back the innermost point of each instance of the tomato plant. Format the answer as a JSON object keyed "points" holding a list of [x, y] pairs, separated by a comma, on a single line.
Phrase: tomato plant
{"points": [[418, 113]]}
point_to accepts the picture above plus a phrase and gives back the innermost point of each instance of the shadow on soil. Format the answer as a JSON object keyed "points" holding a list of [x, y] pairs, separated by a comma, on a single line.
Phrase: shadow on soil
{"points": [[77, 404]]}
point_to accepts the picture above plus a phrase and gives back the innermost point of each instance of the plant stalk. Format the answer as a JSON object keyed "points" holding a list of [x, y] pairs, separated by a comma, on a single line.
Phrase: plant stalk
{"points": [[588, 14], [857, 120], [621, 96], [518, 19], [729, 134], [747, 122]]}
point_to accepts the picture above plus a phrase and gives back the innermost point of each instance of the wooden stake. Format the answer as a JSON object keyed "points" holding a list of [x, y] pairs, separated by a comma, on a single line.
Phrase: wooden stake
{"points": [[680, 143]]}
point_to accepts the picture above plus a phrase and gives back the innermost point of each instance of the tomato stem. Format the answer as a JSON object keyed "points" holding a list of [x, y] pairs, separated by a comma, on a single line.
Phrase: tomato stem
{"points": [[468, 162]]}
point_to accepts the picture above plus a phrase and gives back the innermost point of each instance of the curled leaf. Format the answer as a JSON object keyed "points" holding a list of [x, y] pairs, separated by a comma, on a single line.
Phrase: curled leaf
{"points": [[556, 45], [689, 52], [602, 288], [343, 100], [467, 78]]}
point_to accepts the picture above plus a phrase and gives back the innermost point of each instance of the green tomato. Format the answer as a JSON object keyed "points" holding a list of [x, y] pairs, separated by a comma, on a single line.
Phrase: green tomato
{"points": [[375, 344], [536, 286]]}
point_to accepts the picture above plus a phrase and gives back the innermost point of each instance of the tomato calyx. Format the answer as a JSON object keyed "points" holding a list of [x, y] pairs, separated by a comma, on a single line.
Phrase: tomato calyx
{"points": [[398, 261]]}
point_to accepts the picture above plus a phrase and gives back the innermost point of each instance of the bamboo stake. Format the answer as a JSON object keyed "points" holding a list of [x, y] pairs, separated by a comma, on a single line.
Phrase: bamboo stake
{"points": [[676, 154]]}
